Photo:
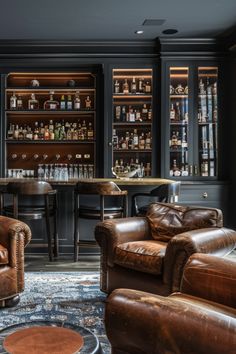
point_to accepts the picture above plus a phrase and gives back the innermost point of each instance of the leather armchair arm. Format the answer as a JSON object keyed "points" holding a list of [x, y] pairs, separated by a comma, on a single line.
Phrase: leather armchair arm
{"points": [[216, 241], [111, 233], [211, 278], [139, 322]]}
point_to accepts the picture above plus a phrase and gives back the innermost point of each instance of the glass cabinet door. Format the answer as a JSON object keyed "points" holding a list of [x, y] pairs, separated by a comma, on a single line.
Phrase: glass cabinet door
{"points": [[132, 123], [207, 121], [179, 121]]}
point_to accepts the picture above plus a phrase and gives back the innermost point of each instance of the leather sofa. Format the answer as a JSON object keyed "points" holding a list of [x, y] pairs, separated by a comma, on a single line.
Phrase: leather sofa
{"points": [[149, 253], [14, 236], [200, 319]]}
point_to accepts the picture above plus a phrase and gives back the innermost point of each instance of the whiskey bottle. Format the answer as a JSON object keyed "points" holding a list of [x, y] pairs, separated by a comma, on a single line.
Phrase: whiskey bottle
{"points": [[123, 114], [144, 112], [172, 113], [125, 87], [135, 140], [90, 132], [174, 141], [29, 134], [85, 130], [117, 113], [150, 114], [77, 101], [148, 141], [138, 116], [131, 142], [133, 86], [88, 103], [16, 132], [51, 104], [13, 100], [20, 134], [141, 143], [147, 87], [115, 141], [46, 133], [117, 87], [10, 132], [33, 103], [140, 85], [62, 103], [69, 105], [19, 103], [131, 115], [177, 112], [36, 131]]}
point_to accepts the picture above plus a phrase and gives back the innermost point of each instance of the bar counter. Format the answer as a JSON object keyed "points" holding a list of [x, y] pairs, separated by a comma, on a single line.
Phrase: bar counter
{"points": [[118, 181]]}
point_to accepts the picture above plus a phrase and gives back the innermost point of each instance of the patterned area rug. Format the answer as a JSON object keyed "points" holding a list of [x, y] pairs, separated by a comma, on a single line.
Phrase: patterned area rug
{"points": [[71, 297]]}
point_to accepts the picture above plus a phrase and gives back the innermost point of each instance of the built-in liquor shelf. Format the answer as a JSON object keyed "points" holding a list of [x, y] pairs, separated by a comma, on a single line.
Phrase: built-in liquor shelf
{"points": [[132, 121], [50, 118]]}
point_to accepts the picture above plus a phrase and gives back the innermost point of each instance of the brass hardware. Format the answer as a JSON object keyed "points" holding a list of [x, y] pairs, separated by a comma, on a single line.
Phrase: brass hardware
{"points": [[205, 195]]}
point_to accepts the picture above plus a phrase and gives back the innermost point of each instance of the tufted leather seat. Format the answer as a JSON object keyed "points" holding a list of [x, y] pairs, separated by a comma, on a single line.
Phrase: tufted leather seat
{"points": [[200, 319], [149, 253], [14, 236]]}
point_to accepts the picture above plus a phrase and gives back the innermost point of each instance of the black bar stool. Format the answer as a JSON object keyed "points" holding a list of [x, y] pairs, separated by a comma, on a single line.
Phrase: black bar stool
{"points": [[100, 211], [165, 193], [43, 204]]}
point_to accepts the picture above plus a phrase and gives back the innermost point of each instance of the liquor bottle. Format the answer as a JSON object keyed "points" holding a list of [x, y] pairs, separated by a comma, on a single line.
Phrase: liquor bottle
{"points": [[62, 103], [32, 102], [135, 139], [16, 132], [20, 134], [88, 103], [68, 134], [176, 170], [51, 125], [148, 170], [46, 133], [29, 134], [77, 101], [41, 131], [148, 141], [144, 112], [117, 86], [125, 87], [147, 87], [184, 141], [133, 86], [174, 141], [85, 130], [36, 131], [115, 140], [131, 142], [13, 100], [177, 112], [123, 144], [51, 134], [117, 113], [141, 142], [150, 114], [19, 103], [90, 132], [140, 85], [131, 115], [138, 116], [123, 114], [69, 105], [51, 104], [10, 132], [172, 113]]}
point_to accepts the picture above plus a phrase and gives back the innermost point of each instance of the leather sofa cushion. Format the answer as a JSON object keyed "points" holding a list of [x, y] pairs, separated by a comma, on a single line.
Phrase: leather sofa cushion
{"points": [[145, 256], [167, 220], [3, 255]]}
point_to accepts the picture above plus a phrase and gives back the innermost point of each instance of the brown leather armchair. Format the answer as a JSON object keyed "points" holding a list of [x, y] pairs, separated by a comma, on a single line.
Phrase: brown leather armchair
{"points": [[149, 253], [199, 320], [14, 236]]}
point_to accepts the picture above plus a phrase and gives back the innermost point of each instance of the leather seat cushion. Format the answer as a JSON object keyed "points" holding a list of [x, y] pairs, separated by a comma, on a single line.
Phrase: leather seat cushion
{"points": [[3, 255], [167, 220], [145, 256]]}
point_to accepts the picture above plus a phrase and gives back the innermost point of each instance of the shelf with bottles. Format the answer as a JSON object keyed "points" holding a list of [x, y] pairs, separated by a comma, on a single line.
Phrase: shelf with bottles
{"points": [[179, 166], [138, 139], [207, 95], [133, 113], [49, 101], [132, 82], [50, 130]]}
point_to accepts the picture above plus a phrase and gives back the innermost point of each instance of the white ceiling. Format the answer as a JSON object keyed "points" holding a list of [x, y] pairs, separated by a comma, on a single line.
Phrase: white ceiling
{"points": [[113, 19]]}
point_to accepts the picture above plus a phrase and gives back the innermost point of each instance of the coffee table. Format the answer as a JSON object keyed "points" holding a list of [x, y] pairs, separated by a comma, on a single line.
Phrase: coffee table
{"points": [[48, 337]]}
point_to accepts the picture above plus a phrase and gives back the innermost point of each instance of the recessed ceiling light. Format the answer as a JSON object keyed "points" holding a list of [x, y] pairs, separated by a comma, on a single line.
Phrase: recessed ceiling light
{"points": [[139, 32], [170, 31]]}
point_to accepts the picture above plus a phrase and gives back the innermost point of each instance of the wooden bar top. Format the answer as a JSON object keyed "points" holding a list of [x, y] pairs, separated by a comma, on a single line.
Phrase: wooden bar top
{"points": [[118, 181]]}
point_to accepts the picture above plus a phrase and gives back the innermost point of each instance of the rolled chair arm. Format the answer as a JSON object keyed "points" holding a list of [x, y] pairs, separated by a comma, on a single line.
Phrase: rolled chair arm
{"points": [[211, 278], [138, 322], [111, 233], [216, 241]]}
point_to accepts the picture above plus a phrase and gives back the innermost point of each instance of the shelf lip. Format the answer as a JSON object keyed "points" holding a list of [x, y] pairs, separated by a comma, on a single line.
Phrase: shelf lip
{"points": [[48, 89], [178, 96], [44, 111], [132, 123], [179, 123], [141, 95], [133, 151], [9, 141]]}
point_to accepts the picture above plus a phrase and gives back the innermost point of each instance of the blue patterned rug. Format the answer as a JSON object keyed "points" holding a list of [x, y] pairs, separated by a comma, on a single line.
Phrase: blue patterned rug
{"points": [[72, 297]]}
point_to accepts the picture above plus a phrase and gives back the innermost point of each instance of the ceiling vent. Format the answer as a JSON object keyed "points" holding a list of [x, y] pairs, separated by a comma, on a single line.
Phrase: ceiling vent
{"points": [[153, 22]]}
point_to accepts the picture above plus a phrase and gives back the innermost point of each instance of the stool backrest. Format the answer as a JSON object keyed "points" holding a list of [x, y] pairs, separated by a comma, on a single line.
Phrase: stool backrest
{"points": [[100, 188], [29, 188]]}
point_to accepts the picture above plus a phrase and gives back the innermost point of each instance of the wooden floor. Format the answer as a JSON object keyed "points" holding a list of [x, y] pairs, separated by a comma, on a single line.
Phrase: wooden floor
{"points": [[37, 263]]}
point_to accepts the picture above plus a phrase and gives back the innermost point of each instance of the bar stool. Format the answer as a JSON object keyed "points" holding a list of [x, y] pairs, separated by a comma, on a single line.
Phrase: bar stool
{"points": [[100, 211], [165, 193], [43, 204]]}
